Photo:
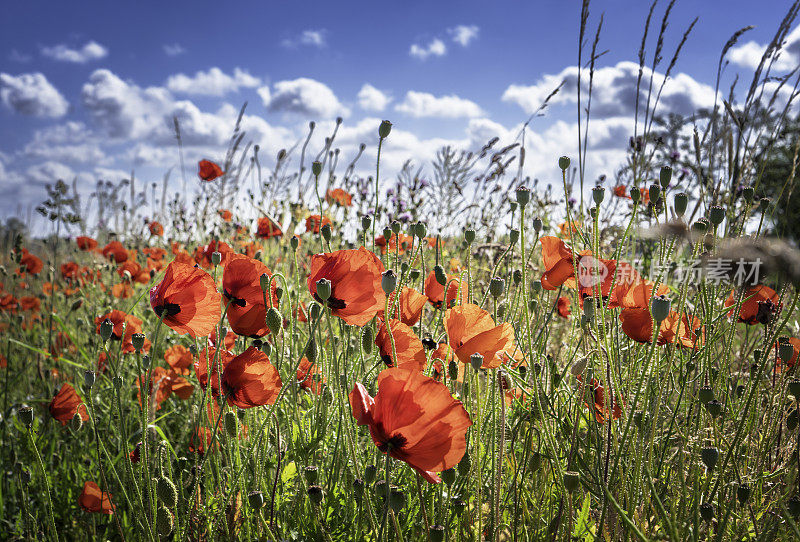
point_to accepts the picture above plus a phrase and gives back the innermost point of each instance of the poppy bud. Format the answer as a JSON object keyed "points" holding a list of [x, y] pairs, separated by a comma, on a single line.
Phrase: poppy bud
{"points": [[513, 236], [326, 232], [436, 533], [794, 389], [655, 192], [785, 350], [358, 488], [294, 242], [366, 340], [311, 351], [659, 308], [571, 481], [278, 293], [384, 129], [448, 476], [681, 201], [523, 196], [25, 416], [501, 311], [311, 472], [117, 381], [464, 465], [458, 506], [716, 214], [315, 494], [420, 229], [588, 307], [76, 305], [413, 274], [536, 286], [476, 360], [231, 423], [403, 268], [266, 347], [324, 289], [635, 194], [256, 500], [532, 305], [747, 193], [578, 367], [452, 370], [88, 379], [705, 394], [366, 222], [517, 276], [387, 233], [707, 511], [497, 286], [316, 168], [793, 505], [714, 408], [563, 163], [314, 310], [137, 340], [397, 500], [743, 493], [598, 195], [106, 327], [701, 226], [167, 492], [395, 225], [164, 521], [438, 273], [76, 422], [274, 320], [388, 281], [216, 258], [709, 455], [537, 224], [665, 176], [469, 236], [370, 473]]}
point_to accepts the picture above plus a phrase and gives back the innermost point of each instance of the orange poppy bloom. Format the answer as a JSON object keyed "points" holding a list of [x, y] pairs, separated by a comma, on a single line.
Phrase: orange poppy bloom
{"points": [[410, 352], [638, 325], [780, 363], [241, 286], [225, 214], [621, 192], [409, 307], [435, 291], [66, 403], [156, 229], [203, 254], [70, 271], [563, 307], [315, 222], [414, 419], [760, 304], [9, 303], [166, 383], [95, 501], [30, 303], [340, 197], [406, 242], [355, 275], [187, 300], [208, 170], [115, 251], [179, 358], [601, 413], [268, 228], [470, 330], [123, 290], [558, 263], [30, 263], [228, 341], [130, 270], [309, 376], [250, 380], [444, 353], [125, 325], [565, 229], [86, 243], [210, 358]]}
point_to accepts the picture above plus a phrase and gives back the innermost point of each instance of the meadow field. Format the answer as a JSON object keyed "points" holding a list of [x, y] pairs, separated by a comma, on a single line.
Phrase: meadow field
{"points": [[317, 350]]}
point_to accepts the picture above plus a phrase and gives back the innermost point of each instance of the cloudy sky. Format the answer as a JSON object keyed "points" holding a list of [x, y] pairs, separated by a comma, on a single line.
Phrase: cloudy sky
{"points": [[90, 88]]}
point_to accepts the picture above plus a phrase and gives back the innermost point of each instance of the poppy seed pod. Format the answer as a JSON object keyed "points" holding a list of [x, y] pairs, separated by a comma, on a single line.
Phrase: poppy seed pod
{"points": [[709, 456], [366, 222], [384, 129], [714, 408], [164, 521], [311, 473], [464, 465], [681, 201], [655, 192], [523, 196], [571, 481], [325, 230], [76, 422], [387, 234], [794, 389], [659, 307], [497, 286], [458, 506], [743, 493], [106, 327], [701, 226], [438, 273], [537, 224], [665, 176], [231, 423], [436, 533], [88, 379], [366, 340], [274, 320], [395, 225], [476, 360], [598, 194], [315, 494], [452, 370], [397, 500], [370, 472], [593, 212], [216, 258], [388, 281], [707, 511], [469, 236], [294, 242], [635, 194], [167, 492], [413, 274], [316, 168], [517, 276], [785, 350], [324, 289], [747, 193], [420, 230], [448, 476], [563, 163], [716, 214], [513, 236], [256, 500], [137, 340], [705, 394]]}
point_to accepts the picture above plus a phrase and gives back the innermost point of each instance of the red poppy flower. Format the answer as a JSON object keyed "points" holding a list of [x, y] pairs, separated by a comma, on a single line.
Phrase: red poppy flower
{"points": [[9, 303], [601, 413], [409, 308], [156, 229], [339, 196], [208, 170], [209, 357], [228, 341], [241, 286], [225, 215], [470, 330], [410, 352], [268, 228], [66, 403], [435, 291], [203, 254], [30, 303], [86, 243], [126, 323], [355, 275], [115, 251], [130, 270], [760, 304], [780, 363], [315, 222], [70, 270], [95, 501], [638, 325], [30, 263], [163, 383], [414, 419], [621, 192], [405, 241], [250, 380], [566, 230], [563, 307], [179, 358], [187, 299], [309, 376], [123, 290]]}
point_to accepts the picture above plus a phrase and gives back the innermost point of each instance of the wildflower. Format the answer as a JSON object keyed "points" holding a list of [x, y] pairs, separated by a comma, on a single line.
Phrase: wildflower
{"points": [[187, 300], [30, 263], [225, 214], [250, 380], [208, 170], [563, 307], [241, 286], [409, 306], [85, 243], [637, 324], [124, 326], [209, 358], [309, 376], [203, 254], [410, 352], [414, 419], [455, 289], [268, 228], [95, 501], [179, 358], [156, 229], [315, 222], [470, 330], [601, 412], [70, 271], [355, 276], [115, 251], [66, 403], [761, 303], [339, 196], [166, 382]]}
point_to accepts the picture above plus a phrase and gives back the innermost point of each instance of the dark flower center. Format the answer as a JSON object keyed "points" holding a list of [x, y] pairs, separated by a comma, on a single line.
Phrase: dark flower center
{"points": [[766, 309], [235, 300], [171, 309], [333, 302], [387, 360], [396, 442]]}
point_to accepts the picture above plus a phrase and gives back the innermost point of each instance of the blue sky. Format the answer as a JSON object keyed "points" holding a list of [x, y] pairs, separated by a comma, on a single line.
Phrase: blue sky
{"points": [[86, 89]]}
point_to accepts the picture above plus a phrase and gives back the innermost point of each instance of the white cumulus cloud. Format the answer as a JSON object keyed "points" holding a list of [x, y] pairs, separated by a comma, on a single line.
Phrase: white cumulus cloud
{"points": [[463, 34], [372, 99], [306, 97], [435, 47], [32, 94], [423, 104], [63, 53], [213, 82], [311, 38], [749, 54]]}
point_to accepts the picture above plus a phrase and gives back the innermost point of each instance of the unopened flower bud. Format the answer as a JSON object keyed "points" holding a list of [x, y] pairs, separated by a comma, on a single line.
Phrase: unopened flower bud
{"points": [[294, 242], [388, 281], [681, 201], [537, 224], [164, 521], [88, 379], [325, 230], [413, 274], [384, 129], [216, 258], [589, 304], [395, 225], [476, 360], [497, 286], [274, 320], [449, 476], [397, 500], [316, 168], [659, 308], [665, 176], [563, 163], [231, 423], [452, 370], [167, 492], [438, 273], [314, 311], [76, 422], [366, 340], [598, 194]]}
